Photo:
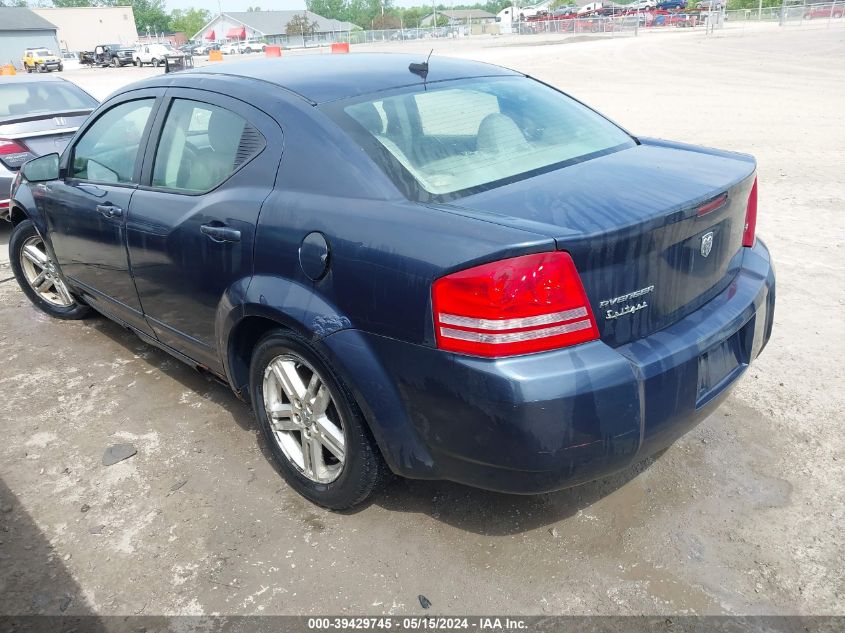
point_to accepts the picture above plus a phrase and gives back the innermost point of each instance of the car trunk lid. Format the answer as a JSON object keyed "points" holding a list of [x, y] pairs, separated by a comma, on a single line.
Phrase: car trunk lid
{"points": [[655, 231], [39, 133]]}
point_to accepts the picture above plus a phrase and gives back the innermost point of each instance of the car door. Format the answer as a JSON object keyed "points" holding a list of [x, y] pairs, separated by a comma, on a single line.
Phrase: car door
{"points": [[86, 208], [211, 162]]}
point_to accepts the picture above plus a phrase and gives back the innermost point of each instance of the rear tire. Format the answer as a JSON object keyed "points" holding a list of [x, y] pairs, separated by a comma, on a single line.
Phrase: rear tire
{"points": [[155, 63], [38, 276], [317, 435]]}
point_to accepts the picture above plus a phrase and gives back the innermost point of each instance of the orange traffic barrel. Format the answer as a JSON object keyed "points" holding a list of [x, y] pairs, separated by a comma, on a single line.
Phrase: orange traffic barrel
{"points": [[340, 47], [273, 51]]}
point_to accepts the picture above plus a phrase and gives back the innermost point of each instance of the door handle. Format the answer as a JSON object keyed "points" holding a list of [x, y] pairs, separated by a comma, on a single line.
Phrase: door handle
{"points": [[221, 233], [110, 211]]}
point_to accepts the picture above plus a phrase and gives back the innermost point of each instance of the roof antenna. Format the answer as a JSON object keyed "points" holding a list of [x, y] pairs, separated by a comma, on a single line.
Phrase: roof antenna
{"points": [[421, 69]]}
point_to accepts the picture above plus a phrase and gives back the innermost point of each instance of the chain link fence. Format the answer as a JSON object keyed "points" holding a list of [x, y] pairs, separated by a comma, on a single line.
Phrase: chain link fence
{"points": [[790, 13], [793, 13]]}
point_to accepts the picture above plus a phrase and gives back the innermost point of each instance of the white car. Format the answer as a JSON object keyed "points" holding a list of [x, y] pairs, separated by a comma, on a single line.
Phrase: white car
{"points": [[156, 54], [247, 46], [588, 8], [642, 4]]}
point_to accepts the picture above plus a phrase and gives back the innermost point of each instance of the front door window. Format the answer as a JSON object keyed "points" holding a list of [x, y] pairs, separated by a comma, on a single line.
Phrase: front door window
{"points": [[108, 150]]}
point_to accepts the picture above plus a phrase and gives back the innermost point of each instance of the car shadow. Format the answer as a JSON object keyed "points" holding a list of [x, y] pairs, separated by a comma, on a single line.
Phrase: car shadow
{"points": [[210, 388], [34, 582], [490, 513], [469, 509]]}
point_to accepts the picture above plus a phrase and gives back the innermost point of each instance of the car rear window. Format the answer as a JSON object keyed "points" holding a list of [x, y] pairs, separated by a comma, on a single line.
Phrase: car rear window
{"points": [[20, 99], [455, 138]]}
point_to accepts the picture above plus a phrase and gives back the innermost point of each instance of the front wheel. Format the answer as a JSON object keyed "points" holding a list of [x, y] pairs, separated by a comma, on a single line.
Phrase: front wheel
{"points": [[138, 62], [39, 277], [61, 67], [315, 431]]}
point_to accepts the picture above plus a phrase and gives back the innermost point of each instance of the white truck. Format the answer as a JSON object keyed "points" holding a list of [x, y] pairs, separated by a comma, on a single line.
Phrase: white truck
{"points": [[156, 54]]}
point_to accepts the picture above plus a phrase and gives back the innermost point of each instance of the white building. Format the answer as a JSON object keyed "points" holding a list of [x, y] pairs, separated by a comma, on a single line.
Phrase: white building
{"points": [[82, 28], [271, 26], [458, 17]]}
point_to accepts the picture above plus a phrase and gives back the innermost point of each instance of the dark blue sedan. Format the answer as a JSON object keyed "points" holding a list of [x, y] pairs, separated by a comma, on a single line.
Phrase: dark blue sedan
{"points": [[444, 270]]}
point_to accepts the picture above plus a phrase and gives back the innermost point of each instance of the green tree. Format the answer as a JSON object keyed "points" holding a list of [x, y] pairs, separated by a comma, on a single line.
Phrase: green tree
{"points": [[301, 25], [189, 21], [150, 16], [360, 12], [387, 21], [411, 17]]}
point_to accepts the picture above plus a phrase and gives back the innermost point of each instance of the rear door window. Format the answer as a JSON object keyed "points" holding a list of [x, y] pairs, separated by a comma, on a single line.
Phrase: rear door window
{"points": [[201, 145]]}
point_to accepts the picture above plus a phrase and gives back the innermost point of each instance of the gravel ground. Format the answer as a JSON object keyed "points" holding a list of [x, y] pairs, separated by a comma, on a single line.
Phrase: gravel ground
{"points": [[744, 515]]}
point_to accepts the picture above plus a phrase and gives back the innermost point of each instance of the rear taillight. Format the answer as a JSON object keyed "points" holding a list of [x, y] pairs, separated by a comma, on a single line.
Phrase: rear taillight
{"points": [[13, 153], [520, 305], [8, 146], [750, 217]]}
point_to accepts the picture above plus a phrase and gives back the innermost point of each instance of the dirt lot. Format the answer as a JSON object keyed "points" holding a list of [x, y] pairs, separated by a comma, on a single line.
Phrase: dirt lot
{"points": [[743, 515]]}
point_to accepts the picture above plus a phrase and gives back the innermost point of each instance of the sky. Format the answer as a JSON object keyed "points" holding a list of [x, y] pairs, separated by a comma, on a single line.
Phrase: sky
{"points": [[243, 5]]}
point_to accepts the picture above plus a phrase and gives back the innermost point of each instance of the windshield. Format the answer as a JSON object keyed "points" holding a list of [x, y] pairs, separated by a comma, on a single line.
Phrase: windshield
{"points": [[42, 52], [19, 99], [455, 138]]}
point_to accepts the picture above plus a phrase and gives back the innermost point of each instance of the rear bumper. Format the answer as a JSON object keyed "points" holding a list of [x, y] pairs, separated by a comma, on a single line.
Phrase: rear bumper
{"points": [[547, 421]]}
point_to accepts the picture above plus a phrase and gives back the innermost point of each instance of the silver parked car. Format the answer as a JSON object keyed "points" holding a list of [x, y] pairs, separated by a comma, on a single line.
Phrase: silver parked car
{"points": [[38, 115]]}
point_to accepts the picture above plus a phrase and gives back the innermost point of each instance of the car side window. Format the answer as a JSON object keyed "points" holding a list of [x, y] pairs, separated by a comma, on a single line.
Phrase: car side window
{"points": [[108, 149], [202, 145]]}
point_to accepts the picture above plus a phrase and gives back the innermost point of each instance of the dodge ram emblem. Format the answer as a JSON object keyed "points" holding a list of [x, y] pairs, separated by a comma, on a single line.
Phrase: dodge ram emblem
{"points": [[706, 244]]}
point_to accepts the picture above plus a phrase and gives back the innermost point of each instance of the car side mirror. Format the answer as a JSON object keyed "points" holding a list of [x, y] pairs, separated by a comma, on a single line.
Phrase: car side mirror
{"points": [[41, 169]]}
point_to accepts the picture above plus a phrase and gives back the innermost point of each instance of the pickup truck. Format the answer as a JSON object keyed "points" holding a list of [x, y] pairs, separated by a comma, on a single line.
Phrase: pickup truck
{"points": [[108, 55], [158, 55]]}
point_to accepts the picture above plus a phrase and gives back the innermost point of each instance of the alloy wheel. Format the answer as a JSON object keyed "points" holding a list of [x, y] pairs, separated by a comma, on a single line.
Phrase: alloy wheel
{"points": [[306, 422], [42, 275]]}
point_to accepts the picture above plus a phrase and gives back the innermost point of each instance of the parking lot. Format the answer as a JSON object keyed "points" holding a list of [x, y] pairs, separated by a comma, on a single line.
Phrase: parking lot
{"points": [[744, 515]]}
